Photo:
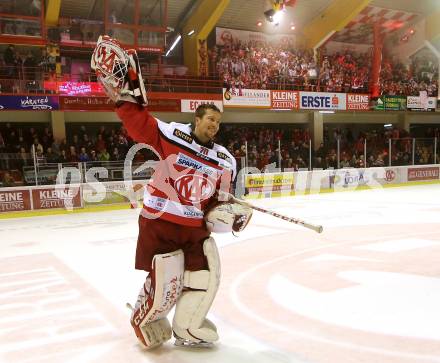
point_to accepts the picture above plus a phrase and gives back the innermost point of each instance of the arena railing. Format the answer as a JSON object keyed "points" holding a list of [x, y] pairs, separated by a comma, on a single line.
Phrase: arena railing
{"points": [[84, 172], [34, 80], [337, 155], [29, 170]]}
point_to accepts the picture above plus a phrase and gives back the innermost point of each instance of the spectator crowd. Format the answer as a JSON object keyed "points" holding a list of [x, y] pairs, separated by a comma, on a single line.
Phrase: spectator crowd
{"points": [[420, 75], [255, 65], [289, 148], [98, 146], [259, 146], [262, 65]]}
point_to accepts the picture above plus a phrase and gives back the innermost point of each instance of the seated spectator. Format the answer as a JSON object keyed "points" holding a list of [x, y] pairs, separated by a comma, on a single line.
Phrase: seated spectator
{"points": [[24, 159], [115, 155], [38, 147], [345, 163], [40, 158], [55, 147], [86, 143], [93, 156], [104, 155], [8, 180], [83, 156], [100, 143], [72, 156], [63, 158], [51, 157]]}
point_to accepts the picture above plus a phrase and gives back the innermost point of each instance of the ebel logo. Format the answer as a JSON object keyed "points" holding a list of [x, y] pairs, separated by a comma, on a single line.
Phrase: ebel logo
{"points": [[223, 156], [194, 188], [183, 136], [36, 103]]}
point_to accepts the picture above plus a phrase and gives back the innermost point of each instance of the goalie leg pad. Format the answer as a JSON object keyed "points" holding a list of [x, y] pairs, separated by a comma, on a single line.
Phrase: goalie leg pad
{"points": [[190, 321], [157, 297]]}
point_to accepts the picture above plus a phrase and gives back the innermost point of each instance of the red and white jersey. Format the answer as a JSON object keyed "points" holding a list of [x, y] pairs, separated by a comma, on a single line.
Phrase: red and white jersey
{"points": [[188, 173]]}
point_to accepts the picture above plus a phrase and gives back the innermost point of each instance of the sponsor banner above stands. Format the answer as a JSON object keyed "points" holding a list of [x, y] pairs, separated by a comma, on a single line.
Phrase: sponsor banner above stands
{"points": [[90, 103], [29, 103], [163, 105], [284, 100], [14, 200], [417, 103], [225, 37], [322, 101], [86, 103], [359, 102], [424, 173], [150, 49], [251, 98], [391, 103], [74, 88], [191, 105]]}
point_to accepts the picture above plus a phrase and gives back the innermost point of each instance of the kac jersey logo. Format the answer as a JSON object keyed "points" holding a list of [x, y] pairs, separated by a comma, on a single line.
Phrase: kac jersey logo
{"points": [[194, 188]]}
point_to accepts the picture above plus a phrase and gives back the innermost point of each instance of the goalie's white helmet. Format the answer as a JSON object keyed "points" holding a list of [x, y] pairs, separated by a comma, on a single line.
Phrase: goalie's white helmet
{"points": [[110, 60], [118, 71]]}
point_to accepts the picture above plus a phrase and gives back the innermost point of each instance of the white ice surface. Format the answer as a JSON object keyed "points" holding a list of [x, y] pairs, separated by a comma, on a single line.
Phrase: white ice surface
{"points": [[100, 248]]}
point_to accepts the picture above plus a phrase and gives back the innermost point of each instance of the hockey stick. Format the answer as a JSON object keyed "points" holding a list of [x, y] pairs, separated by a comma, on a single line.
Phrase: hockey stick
{"points": [[314, 227]]}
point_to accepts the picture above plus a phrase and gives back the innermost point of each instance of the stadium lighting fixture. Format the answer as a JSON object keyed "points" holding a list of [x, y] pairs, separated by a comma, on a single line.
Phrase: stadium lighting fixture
{"points": [[174, 45], [326, 111], [277, 17], [273, 16], [191, 32], [388, 125]]}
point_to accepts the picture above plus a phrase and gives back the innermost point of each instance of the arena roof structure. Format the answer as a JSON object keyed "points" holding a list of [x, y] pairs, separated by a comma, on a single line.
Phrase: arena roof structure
{"points": [[306, 15], [301, 14]]}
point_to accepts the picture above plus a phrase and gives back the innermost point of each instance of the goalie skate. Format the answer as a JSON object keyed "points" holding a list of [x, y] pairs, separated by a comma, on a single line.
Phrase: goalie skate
{"points": [[184, 343]]}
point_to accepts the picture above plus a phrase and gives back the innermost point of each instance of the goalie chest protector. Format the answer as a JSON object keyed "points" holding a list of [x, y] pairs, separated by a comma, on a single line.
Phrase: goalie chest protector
{"points": [[188, 173]]}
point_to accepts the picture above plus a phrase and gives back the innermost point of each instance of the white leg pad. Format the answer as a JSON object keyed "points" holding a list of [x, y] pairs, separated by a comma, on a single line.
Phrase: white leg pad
{"points": [[157, 297], [190, 321]]}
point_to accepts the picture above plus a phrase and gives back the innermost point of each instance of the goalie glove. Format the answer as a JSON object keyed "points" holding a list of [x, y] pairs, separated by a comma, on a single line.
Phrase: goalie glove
{"points": [[227, 217], [118, 71]]}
